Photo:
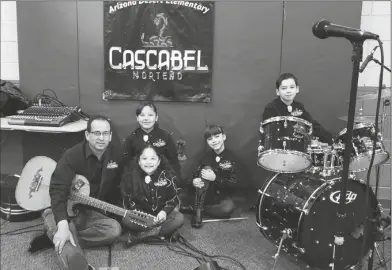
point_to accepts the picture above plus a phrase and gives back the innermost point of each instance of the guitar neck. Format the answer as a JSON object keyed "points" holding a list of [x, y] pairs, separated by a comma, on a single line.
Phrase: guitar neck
{"points": [[87, 200]]}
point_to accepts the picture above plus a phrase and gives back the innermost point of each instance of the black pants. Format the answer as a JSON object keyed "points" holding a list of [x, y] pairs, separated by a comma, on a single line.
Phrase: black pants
{"points": [[221, 210]]}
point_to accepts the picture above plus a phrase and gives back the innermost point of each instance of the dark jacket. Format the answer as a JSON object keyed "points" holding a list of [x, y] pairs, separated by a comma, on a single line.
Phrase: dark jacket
{"points": [[160, 139], [278, 108], [224, 166], [153, 197], [80, 160]]}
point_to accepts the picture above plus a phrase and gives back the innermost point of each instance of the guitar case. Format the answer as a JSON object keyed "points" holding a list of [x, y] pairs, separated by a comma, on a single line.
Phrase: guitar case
{"points": [[9, 208]]}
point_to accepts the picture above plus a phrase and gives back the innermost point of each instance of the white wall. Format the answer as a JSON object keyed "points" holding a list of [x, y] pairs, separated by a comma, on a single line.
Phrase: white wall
{"points": [[9, 42], [376, 18]]}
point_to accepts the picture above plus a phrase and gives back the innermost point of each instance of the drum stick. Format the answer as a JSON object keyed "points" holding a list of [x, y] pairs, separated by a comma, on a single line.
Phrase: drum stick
{"points": [[223, 219]]}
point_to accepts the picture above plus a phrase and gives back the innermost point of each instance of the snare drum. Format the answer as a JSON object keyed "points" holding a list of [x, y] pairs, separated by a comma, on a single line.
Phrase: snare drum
{"points": [[305, 206], [362, 142], [285, 144]]}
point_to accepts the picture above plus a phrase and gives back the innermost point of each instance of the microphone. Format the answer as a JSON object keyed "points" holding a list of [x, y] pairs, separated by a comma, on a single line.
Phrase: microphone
{"points": [[367, 60], [324, 29]]}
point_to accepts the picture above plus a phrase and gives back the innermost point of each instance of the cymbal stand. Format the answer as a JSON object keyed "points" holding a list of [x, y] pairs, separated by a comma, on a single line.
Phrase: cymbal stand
{"points": [[371, 256], [385, 103], [360, 110], [286, 233]]}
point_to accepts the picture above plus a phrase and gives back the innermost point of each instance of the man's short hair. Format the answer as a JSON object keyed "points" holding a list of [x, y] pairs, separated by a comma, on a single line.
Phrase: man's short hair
{"points": [[98, 117]]}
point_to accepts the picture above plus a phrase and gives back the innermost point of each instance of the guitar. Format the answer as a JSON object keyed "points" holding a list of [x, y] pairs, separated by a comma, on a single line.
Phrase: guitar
{"points": [[32, 193]]}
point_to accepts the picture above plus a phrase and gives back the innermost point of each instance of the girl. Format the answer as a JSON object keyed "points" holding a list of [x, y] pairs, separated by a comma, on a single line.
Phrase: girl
{"points": [[148, 184], [149, 132]]}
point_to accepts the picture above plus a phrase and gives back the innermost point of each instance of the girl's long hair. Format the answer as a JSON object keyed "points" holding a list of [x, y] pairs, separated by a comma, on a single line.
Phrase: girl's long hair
{"points": [[133, 176]]}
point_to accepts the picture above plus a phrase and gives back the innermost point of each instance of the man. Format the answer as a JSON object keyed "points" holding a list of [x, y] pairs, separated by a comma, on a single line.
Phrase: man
{"points": [[98, 161]]}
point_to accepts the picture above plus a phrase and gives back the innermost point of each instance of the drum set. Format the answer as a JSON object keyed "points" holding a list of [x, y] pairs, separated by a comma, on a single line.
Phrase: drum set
{"points": [[297, 207]]}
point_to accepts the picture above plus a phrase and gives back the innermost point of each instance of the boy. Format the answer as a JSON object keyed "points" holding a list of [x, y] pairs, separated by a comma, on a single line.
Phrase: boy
{"points": [[284, 105], [213, 178]]}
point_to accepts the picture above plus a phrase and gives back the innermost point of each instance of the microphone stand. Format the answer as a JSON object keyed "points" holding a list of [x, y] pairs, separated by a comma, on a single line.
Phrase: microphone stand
{"points": [[341, 214]]}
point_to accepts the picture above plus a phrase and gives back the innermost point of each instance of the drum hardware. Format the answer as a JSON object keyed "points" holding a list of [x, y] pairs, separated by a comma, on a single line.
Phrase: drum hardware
{"points": [[300, 249], [380, 209], [384, 104], [261, 192], [380, 258], [325, 159], [286, 233], [332, 181], [305, 211]]}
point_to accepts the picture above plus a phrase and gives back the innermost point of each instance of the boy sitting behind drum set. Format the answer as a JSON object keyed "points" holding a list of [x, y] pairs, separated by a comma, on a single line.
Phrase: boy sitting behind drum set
{"points": [[287, 88]]}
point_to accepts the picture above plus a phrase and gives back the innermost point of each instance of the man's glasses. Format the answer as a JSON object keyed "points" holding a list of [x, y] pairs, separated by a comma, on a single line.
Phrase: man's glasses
{"points": [[98, 133]]}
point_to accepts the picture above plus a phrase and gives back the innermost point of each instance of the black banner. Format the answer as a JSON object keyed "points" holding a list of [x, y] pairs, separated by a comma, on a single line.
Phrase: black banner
{"points": [[158, 50]]}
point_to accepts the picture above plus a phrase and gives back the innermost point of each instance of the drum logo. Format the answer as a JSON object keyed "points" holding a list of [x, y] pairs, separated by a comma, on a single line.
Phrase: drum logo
{"points": [[335, 197]]}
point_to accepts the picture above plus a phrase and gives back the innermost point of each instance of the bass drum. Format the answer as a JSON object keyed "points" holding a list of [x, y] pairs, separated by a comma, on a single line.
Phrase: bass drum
{"points": [[9, 208], [305, 205]]}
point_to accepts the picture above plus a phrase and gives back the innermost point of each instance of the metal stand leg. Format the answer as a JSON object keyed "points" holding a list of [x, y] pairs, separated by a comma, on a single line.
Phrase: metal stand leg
{"points": [[381, 259], [286, 233], [371, 254]]}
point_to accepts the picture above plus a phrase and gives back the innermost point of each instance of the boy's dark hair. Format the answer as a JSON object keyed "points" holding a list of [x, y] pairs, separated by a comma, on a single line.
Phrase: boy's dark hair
{"points": [[212, 130], [144, 104], [98, 117], [285, 76]]}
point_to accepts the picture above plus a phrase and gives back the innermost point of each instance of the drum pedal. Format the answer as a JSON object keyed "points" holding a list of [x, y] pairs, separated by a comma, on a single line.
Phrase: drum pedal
{"points": [[286, 233]]}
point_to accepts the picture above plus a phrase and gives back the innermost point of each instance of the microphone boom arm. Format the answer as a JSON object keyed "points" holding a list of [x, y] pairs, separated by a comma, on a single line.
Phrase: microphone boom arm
{"points": [[378, 62]]}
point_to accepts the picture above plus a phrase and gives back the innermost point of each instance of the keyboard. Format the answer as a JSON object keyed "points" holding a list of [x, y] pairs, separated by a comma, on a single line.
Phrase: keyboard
{"points": [[43, 115]]}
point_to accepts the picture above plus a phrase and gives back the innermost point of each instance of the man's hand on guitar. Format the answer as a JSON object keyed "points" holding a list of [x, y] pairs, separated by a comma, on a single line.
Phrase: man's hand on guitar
{"points": [[62, 235], [161, 217]]}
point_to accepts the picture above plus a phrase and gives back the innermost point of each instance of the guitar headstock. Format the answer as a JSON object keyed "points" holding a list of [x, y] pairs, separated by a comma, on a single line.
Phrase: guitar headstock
{"points": [[140, 218]]}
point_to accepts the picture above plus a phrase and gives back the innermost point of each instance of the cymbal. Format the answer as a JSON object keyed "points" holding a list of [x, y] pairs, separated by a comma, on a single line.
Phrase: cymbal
{"points": [[361, 119], [385, 93]]}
